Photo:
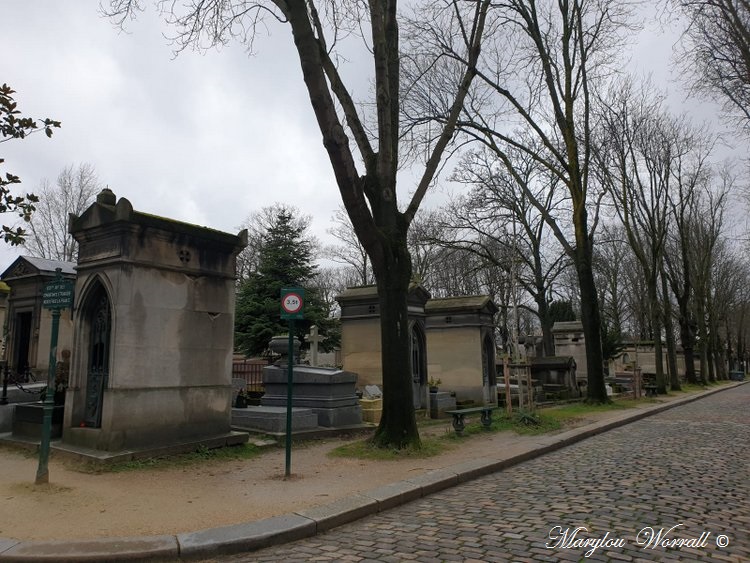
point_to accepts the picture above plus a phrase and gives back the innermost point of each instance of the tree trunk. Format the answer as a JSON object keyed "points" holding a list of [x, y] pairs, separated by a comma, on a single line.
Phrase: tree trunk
{"points": [[702, 343], [661, 383], [674, 379], [686, 340], [398, 425], [548, 340], [596, 392]]}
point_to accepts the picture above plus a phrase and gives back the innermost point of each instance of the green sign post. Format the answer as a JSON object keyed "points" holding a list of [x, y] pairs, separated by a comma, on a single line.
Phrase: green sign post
{"points": [[56, 296], [292, 308]]}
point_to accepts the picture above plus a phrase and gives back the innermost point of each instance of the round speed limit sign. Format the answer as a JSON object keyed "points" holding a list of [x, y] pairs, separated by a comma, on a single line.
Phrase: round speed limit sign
{"points": [[291, 303]]}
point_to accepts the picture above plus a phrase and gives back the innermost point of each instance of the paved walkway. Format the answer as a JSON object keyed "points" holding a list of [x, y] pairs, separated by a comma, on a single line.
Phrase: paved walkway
{"points": [[682, 476]]}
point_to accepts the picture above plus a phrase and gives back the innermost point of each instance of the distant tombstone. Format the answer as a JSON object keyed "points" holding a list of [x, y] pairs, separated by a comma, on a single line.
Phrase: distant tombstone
{"points": [[372, 392], [314, 339], [569, 341], [154, 321], [329, 392]]}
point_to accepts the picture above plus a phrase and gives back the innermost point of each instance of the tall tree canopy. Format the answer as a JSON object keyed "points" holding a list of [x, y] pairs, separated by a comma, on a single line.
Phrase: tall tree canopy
{"points": [[718, 53], [285, 259]]}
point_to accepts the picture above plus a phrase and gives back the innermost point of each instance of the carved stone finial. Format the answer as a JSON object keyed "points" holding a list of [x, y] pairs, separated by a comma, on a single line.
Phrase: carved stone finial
{"points": [[106, 197]]}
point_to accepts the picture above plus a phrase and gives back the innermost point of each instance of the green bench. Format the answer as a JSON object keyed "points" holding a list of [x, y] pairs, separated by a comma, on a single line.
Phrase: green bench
{"points": [[458, 417]]}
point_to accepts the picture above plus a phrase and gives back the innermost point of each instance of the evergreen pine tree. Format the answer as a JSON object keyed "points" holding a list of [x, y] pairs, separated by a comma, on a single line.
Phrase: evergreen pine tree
{"points": [[285, 260]]}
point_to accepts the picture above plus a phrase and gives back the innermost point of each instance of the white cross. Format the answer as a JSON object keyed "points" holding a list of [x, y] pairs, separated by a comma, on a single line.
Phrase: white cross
{"points": [[314, 339]]}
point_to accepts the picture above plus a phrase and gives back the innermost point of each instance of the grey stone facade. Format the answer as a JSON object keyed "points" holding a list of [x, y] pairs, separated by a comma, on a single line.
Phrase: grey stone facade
{"points": [[153, 325]]}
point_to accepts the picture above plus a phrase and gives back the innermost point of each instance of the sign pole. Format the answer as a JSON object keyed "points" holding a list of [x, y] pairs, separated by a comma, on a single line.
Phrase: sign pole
{"points": [[42, 472], [57, 295], [289, 383], [292, 306]]}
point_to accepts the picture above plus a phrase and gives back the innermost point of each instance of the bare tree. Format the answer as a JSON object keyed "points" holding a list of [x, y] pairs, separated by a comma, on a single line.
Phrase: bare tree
{"points": [[692, 175], [349, 251], [612, 259], [366, 172], [706, 239], [501, 225], [635, 158], [72, 193], [717, 54], [540, 75]]}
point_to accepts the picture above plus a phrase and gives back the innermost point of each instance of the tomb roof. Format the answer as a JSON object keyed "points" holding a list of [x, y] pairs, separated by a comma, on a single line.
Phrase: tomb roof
{"points": [[461, 302], [371, 291], [31, 265], [104, 211]]}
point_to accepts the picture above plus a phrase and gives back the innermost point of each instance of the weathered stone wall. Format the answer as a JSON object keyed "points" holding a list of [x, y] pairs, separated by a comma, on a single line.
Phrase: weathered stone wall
{"points": [[171, 292], [455, 356], [361, 350]]}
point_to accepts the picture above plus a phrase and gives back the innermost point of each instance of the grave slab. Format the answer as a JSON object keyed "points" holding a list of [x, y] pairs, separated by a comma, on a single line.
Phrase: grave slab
{"points": [[273, 419], [329, 392]]}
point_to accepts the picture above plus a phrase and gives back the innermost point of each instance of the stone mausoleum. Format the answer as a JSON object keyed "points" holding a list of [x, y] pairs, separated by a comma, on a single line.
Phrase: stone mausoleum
{"points": [[153, 331], [452, 339], [461, 346], [361, 343], [28, 325]]}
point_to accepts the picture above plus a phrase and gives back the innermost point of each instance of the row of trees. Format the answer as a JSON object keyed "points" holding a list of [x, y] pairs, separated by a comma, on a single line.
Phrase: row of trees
{"points": [[523, 79]]}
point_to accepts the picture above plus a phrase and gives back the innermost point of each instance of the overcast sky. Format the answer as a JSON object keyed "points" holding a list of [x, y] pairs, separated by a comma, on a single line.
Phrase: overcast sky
{"points": [[204, 138]]}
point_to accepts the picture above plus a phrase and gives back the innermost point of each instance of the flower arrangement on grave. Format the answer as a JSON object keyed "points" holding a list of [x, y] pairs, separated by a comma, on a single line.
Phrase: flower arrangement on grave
{"points": [[433, 384], [240, 401]]}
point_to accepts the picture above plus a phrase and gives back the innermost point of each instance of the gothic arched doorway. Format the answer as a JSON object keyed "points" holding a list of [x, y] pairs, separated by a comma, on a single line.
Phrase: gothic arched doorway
{"points": [[98, 317]]}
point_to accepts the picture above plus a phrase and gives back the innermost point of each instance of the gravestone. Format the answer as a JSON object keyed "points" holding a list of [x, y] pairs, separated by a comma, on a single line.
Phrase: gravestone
{"points": [[154, 322], [440, 402], [328, 392], [272, 420], [314, 339], [570, 342]]}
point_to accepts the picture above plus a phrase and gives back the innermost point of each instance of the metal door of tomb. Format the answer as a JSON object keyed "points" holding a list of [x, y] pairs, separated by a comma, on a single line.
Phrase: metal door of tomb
{"points": [[100, 320]]}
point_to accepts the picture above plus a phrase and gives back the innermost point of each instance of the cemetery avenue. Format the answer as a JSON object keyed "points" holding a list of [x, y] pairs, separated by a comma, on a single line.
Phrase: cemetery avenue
{"points": [[636, 483]]}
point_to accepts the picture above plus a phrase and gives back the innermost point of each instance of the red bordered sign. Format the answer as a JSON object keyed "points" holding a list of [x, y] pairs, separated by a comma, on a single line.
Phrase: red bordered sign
{"points": [[292, 303]]}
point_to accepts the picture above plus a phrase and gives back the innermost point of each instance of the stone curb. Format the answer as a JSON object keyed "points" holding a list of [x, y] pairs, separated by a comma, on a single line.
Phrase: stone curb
{"points": [[251, 536]]}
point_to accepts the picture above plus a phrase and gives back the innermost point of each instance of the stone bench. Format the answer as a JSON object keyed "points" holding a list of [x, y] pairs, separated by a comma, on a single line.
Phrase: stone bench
{"points": [[458, 417]]}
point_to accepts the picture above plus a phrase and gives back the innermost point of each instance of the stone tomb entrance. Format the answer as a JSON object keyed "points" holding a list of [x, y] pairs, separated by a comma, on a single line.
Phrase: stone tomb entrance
{"points": [[153, 325]]}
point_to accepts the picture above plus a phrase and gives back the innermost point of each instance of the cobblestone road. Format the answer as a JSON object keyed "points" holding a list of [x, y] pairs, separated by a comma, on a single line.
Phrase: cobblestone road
{"points": [[687, 467]]}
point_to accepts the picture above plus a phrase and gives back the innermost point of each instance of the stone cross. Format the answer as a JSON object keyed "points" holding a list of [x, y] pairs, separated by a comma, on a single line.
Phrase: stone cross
{"points": [[314, 339]]}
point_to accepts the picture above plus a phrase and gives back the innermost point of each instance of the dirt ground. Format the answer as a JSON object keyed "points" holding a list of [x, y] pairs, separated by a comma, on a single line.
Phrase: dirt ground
{"points": [[202, 495], [205, 495]]}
